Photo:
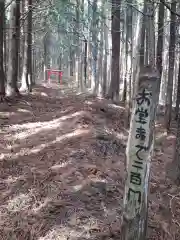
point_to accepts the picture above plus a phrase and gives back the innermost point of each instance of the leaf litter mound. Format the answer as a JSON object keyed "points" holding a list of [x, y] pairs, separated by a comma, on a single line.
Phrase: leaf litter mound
{"points": [[62, 170]]}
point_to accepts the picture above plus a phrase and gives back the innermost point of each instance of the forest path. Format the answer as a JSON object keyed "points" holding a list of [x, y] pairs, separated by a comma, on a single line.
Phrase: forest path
{"points": [[62, 170]]}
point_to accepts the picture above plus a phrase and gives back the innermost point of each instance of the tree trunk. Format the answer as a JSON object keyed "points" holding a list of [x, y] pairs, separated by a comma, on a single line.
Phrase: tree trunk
{"points": [[160, 41], [77, 58], [94, 47], [24, 79], [29, 57], [85, 62], [105, 58], [22, 40], [178, 95], [71, 55], [138, 49], [168, 108], [34, 64], [127, 80], [129, 54], [151, 30], [2, 75], [173, 169], [99, 90], [125, 55], [89, 62], [115, 31], [18, 14], [176, 161], [13, 63], [5, 36], [138, 156], [60, 64], [142, 42], [82, 49], [47, 53]]}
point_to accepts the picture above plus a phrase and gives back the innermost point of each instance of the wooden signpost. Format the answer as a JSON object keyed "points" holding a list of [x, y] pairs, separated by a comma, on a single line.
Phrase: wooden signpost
{"points": [[138, 156]]}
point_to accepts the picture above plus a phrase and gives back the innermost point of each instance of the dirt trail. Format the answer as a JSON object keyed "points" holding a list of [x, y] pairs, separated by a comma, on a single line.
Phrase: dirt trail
{"points": [[62, 170]]}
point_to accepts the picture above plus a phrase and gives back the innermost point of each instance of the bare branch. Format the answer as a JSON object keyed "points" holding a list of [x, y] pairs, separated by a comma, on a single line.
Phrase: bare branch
{"points": [[169, 8], [9, 4]]}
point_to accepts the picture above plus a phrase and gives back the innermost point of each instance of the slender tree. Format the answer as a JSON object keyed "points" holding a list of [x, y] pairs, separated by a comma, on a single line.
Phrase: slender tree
{"points": [[13, 63], [105, 57], [178, 95], [2, 75], [29, 42], [115, 31], [94, 47], [24, 79], [172, 42], [160, 40]]}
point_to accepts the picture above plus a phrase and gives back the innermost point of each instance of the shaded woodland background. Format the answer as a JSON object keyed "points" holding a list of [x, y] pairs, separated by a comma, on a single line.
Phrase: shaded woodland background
{"points": [[62, 159]]}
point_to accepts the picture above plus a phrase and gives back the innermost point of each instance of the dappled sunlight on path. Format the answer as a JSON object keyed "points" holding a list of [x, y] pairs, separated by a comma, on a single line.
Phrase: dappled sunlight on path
{"points": [[62, 170]]}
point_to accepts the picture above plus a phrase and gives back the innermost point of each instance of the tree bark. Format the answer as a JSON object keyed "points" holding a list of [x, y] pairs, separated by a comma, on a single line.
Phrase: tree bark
{"points": [[142, 42], [78, 57], [176, 162], [168, 107], [60, 64], [130, 57], [13, 63], [2, 75], [173, 169], [105, 57], [178, 96], [115, 31], [99, 90], [160, 41], [71, 55], [46, 53], [22, 40], [85, 62], [94, 47], [5, 36], [24, 79], [29, 57]]}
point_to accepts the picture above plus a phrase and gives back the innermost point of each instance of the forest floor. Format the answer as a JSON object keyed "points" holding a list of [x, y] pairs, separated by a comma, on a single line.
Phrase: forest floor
{"points": [[62, 171]]}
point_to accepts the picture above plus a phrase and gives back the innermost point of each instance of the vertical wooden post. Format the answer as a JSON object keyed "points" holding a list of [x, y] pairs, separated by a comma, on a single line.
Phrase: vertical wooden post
{"points": [[138, 156], [49, 76]]}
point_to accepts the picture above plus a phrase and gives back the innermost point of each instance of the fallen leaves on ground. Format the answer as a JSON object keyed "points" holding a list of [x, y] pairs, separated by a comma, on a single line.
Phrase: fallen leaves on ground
{"points": [[62, 170]]}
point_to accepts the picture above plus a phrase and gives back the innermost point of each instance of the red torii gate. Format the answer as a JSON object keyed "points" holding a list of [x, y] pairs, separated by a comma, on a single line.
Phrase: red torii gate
{"points": [[56, 72]]}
